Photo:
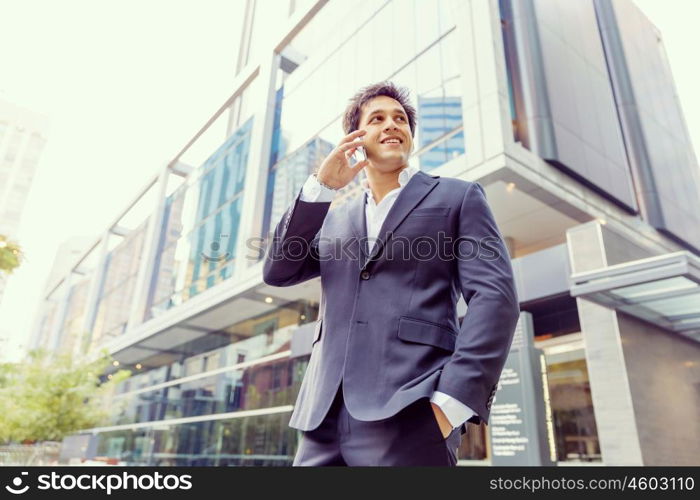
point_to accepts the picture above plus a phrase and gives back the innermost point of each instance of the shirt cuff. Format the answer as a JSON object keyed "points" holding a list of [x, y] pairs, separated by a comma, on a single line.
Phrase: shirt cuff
{"points": [[313, 191], [455, 411]]}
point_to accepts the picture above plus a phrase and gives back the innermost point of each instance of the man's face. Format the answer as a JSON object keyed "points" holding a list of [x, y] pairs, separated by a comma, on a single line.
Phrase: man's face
{"points": [[388, 140]]}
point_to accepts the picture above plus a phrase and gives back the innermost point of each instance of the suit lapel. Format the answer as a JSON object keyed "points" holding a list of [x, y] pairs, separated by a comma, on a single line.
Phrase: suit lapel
{"points": [[358, 222], [417, 188]]}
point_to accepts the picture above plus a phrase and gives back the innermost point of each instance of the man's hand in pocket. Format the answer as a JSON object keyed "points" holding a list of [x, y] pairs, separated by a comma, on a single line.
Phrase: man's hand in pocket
{"points": [[445, 425]]}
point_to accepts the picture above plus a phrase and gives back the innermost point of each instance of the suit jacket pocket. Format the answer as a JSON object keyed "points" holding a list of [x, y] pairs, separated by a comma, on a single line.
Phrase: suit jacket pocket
{"points": [[317, 332], [426, 332], [430, 212]]}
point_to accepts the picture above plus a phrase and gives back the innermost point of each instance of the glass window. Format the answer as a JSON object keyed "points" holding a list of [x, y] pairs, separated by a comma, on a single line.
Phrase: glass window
{"points": [[575, 429], [261, 440], [117, 290], [263, 385], [427, 23], [373, 42], [403, 30], [269, 19], [288, 176], [379, 41], [200, 227]]}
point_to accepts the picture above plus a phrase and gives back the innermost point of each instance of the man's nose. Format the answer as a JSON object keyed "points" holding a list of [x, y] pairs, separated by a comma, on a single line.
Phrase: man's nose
{"points": [[391, 125]]}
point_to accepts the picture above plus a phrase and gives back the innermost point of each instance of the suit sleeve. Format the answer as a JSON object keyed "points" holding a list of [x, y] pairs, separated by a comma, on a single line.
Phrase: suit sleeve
{"points": [[292, 255], [485, 278]]}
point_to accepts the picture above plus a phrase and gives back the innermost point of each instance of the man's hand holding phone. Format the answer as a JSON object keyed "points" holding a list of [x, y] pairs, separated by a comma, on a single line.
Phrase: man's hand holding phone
{"points": [[336, 171]]}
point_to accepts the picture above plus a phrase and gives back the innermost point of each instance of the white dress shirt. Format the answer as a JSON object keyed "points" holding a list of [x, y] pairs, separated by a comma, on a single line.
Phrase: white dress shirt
{"points": [[375, 213]]}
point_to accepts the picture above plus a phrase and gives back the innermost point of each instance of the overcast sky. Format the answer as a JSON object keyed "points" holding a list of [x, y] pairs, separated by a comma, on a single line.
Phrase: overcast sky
{"points": [[126, 84]]}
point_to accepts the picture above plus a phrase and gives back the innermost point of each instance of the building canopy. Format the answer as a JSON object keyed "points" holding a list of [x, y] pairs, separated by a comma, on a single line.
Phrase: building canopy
{"points": [[663, 290]]}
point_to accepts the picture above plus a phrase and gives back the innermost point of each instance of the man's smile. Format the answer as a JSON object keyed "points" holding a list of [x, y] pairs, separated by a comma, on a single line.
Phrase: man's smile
{"points": [[392, 140]]}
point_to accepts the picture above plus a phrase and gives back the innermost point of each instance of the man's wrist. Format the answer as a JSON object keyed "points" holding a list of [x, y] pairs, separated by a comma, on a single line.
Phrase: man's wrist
{"points": [[442, 420], [315, 174], [312, 191]]}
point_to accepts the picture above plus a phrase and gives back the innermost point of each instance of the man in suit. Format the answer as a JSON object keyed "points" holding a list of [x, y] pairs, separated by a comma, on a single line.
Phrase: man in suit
{"points": [[393, 378]]}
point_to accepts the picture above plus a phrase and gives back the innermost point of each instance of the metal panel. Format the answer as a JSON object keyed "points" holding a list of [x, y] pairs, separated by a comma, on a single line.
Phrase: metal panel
{"points": [[660, 151], [568, 114]]}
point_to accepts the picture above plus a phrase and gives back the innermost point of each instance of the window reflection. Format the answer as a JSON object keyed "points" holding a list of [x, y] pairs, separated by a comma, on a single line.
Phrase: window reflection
{"points": [[261, 440], [274, 383], [361, 51], [287, 177], [439, 117], [200, 227], [512, 72], [214, 385], [313, 92], [576, 433], [122, 264], [219, 385], [263, 385]]}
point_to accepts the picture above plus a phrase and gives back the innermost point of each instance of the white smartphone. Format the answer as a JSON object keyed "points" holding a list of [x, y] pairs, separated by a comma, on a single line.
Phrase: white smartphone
{"points": [[362, 154]]}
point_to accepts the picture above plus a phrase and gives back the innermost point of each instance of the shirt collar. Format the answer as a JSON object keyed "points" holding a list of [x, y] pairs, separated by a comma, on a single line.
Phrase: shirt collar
{"points": [[404, 176]]}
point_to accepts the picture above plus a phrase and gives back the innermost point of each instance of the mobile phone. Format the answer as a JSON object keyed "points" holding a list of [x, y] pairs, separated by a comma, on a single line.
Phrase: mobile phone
{"points": [[363, 153]]}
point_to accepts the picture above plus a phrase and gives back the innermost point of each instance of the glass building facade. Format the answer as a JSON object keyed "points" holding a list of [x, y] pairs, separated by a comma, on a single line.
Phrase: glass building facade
{"points": [[224, 406], [217, 356], [197, 246]]}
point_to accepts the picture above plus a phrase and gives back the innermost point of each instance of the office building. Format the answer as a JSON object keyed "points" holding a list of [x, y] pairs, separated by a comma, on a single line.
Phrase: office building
{"points": [[565, 112], [23, 135]]}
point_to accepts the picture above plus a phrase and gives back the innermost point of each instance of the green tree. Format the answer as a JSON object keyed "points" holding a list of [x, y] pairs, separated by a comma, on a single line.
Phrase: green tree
{"points": [[49, 397], [10, 255]]}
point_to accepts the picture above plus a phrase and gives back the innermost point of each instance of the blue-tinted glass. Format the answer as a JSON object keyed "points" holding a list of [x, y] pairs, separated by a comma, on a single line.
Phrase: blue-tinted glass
{"points": [[277, 147], [210, 245], [233, 221], [222, 393], [288, 177], [198, 243], [260, 440]]}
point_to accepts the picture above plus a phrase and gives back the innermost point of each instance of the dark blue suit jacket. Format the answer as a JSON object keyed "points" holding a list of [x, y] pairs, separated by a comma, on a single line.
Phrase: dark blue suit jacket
{"points": [[389, 327]]}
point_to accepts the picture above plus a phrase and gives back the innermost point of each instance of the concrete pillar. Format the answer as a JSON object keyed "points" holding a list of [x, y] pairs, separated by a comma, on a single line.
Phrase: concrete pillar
{"points": [[253, 203], [610, 389]]}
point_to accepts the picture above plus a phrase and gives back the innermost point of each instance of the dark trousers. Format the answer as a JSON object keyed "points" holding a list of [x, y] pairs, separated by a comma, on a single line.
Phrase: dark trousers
{"points": [[412, 437]]}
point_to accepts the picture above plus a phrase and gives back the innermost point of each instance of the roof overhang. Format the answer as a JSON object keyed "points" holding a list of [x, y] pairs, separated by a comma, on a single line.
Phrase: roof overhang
{"points": [[663, 290]]}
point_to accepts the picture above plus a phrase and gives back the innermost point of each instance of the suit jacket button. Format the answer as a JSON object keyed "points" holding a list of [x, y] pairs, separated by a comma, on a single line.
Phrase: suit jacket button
{"points": [[364, 275]]}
